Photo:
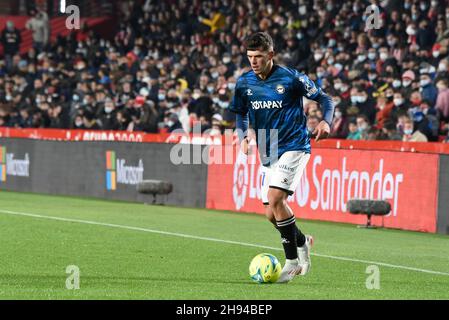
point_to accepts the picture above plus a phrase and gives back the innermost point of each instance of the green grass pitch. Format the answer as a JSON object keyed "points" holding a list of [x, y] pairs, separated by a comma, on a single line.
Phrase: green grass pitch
{"points": [[135, 251]]}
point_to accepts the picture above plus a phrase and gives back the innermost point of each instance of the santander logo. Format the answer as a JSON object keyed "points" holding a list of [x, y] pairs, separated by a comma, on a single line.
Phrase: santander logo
{"points": [[324, 186]]}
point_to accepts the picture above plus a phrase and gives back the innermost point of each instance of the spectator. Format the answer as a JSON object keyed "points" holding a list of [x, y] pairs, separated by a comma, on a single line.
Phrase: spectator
{"points": [[410, 135], [363, 126], [442, 104], [354, 133], [10, 39], [339, 128], [429, 91], [158, 53], [40, 27]]}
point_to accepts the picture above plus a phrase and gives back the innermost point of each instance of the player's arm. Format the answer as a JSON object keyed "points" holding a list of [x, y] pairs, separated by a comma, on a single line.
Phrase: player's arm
{"points": [[239, 107], [323, 129], [312, 92]]}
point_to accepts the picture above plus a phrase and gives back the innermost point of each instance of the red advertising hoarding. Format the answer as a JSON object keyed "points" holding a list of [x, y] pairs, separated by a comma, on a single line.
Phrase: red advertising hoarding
{"points": [[409, 181]]}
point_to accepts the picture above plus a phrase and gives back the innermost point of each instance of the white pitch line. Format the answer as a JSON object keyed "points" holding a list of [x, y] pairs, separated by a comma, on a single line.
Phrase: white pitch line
{"points": [[217, 240]]}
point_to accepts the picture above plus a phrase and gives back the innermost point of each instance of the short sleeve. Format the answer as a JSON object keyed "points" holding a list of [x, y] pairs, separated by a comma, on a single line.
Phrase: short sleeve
{"points": [[307, 87], [239, 101]]}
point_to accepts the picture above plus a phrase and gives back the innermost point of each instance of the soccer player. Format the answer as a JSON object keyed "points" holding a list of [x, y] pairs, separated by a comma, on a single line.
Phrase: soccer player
{"points": [[270, 98]]}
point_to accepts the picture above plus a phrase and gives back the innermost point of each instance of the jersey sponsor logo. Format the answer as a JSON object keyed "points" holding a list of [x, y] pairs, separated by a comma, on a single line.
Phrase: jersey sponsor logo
{"points": [[266, 104], [280, 89], [309, 86]]}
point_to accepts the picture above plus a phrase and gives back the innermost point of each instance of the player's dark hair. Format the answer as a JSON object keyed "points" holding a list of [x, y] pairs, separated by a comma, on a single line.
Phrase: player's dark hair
{"points": [[259, 41]]}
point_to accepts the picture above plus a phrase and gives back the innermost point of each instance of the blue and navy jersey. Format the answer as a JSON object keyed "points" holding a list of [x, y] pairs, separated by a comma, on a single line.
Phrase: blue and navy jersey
{"points": [[276, 103]]}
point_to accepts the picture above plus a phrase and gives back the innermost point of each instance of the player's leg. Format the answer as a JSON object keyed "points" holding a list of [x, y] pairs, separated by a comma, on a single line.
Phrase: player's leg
{"points": [[300, 237], [283, 182], [304, 242], [285, 223]]}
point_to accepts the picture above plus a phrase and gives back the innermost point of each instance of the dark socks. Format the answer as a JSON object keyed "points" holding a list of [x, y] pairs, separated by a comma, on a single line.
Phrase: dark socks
{"points": [[288, 228], [300, 237]]}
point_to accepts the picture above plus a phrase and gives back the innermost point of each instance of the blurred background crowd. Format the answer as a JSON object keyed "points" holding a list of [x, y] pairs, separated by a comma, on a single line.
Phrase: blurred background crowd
{"points": [[172, 64]]}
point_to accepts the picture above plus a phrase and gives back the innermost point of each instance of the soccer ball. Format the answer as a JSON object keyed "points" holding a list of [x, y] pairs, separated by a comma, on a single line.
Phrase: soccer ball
{"points": [[265, 268]]}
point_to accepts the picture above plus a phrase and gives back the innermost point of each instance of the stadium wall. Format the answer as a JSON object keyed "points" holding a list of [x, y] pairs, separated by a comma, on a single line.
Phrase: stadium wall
{"points": [[443, 196], [416, 184], [409, 181], [107, 170]]}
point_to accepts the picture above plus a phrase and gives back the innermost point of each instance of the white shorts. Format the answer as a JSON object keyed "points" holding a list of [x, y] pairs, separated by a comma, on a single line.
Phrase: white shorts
{"points": [[285, 174]]}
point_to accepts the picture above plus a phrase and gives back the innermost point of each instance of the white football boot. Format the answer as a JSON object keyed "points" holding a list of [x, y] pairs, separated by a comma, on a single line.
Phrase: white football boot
{"points": [[304, 255], [289, 271]]}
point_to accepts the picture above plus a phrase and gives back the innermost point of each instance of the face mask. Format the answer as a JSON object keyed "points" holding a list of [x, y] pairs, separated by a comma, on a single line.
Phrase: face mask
{"points": [[159, 65], [332, 42], [362, 127], [376, 45], [435, 54], [108, 109], [362, 99], [410, 31], [231, 86], [396, 83], [343, 89], [371, 55], [383, 56], [161, 97], [210, 89], [398, 101], [215, 100], [320, 74], [337, 114], [442, 67], [214, 75], [354, 99], [78, 123], [434, 3], [361, 58], [391, 43], [85, 101], [170, 123], [302, 10], [423, 6], [317, 56], [424, 82], [299, 36], [337, 86], [372, 77], [330, 61], [406, 83], [195, 95], [408, 131], [226, 60]]}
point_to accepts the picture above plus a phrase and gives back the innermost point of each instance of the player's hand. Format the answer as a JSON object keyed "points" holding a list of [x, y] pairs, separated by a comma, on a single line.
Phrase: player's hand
{"points": [[321, 131], [244, 145]]}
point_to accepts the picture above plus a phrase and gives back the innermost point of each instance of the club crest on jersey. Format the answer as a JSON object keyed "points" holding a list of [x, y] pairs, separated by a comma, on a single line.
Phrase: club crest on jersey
{"points": [[249, 92], [280, 89]]}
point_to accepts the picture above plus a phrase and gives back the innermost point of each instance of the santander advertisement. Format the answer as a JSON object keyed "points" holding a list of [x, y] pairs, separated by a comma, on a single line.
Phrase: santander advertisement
{"points": [[408, 181]]}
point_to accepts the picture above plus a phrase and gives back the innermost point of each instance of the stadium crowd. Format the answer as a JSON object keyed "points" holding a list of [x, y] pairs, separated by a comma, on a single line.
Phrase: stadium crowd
{"points": [[175, 63]]}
